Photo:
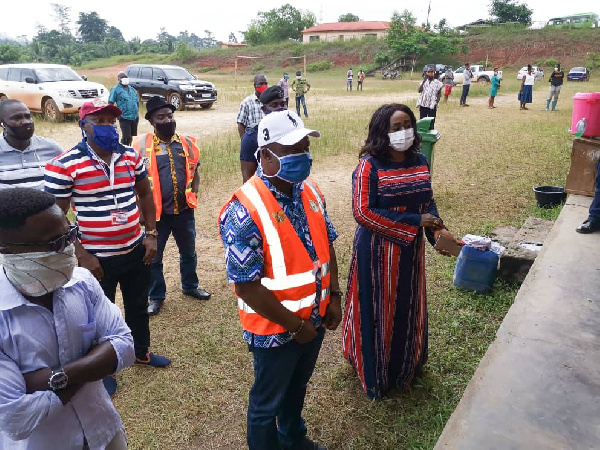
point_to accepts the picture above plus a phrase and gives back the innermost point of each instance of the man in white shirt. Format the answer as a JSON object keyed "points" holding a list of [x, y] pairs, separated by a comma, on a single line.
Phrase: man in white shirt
{"points": [[23, 155], [467, 75], [429, 90], [59, 335]]}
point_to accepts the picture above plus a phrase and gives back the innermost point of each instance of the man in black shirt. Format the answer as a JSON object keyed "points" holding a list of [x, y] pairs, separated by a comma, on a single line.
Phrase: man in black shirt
{"points": [[556, 81]]}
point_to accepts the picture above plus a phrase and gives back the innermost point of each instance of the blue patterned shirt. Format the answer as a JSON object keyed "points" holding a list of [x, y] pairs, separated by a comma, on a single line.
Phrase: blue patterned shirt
{"points": [[244, 250]]}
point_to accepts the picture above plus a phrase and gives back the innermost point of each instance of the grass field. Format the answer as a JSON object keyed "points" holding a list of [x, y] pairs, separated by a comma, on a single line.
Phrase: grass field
{"points": [[485, 166]]}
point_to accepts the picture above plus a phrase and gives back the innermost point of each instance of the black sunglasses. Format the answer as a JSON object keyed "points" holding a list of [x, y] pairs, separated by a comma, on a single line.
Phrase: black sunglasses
{"points": [[58, 245]]}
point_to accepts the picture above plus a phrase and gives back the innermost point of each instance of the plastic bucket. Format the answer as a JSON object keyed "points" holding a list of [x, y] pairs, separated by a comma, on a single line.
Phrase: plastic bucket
{"points": [[475, 269], [549, 196], [586, 104]]}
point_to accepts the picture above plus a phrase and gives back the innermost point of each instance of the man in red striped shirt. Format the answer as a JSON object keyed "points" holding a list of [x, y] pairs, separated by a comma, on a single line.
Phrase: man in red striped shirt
{"points": [[100, 178]]}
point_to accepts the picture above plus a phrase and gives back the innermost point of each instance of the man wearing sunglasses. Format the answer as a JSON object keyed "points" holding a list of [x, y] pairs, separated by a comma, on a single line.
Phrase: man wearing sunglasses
{"points": [[101, 178], [59, 334]]}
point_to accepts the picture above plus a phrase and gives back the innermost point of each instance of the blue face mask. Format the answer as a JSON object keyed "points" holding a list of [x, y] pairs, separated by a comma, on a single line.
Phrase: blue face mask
{"points": [[105, 137], [294, 168]]}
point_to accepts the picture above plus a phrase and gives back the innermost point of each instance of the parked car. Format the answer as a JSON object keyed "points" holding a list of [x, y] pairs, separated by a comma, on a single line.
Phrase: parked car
{"points": [[53, 89], [178, 86], [478, 73], [439, 69], [537, 72], [578, 74]]}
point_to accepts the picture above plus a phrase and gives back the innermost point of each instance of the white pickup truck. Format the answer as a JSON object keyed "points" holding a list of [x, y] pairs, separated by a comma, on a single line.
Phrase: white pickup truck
{"points": [[478, 72]]}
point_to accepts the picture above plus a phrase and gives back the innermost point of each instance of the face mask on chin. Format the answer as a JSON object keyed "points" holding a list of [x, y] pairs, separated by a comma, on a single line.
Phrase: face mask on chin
{"points": [[105, 136], [22, 132], [293, 168], [402, 140], [166, 129], [269, 111], [39, 273]]}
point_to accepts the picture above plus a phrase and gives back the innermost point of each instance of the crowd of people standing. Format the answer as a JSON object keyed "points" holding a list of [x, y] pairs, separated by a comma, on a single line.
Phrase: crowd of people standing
{"points": [[60, 278]]}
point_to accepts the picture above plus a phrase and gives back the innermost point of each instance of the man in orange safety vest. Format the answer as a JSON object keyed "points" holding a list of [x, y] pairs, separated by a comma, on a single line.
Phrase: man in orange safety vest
{"points": [[172, 160], [279, 255]]}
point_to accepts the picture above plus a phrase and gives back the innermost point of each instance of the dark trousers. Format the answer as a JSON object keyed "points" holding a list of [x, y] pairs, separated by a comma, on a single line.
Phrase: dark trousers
{"points": [[359, 85], [465, 93], [183, 228], [133, 276], [281, 375], [427, 112], [595, 206], [298, 100], [128, 130]]}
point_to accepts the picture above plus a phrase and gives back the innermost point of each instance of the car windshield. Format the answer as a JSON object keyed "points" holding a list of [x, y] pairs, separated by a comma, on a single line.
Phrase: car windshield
{"points": [[48, 74], [178, 74], [578, 69]]}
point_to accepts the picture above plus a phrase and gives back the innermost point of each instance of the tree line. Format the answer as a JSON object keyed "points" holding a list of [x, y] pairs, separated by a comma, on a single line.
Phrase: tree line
{"points": [[94, 37]]}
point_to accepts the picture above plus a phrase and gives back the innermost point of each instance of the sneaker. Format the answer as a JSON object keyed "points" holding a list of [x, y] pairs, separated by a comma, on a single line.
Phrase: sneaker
{"points": [[153, 360], [110, 384]]}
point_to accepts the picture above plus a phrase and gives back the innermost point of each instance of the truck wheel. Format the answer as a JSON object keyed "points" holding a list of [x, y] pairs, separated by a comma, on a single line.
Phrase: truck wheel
{"points": [[206, 106], [483, 80], [175, 100], [51, 111]]}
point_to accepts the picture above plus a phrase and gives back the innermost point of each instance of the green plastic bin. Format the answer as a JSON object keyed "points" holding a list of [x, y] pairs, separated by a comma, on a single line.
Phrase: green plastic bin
{"points": [[428, 139]]}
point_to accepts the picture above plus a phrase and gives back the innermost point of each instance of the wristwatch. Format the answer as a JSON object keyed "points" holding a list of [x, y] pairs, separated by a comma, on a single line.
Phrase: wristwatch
{"points": [[58, 380], [152, 233]]}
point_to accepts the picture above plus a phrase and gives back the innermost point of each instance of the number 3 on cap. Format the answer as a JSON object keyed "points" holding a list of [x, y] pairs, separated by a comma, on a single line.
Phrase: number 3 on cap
{"points": [[266, 134]]}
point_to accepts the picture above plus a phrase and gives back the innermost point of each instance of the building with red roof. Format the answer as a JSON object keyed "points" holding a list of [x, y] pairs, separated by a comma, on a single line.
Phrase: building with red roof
{"points": [[344, 31]]}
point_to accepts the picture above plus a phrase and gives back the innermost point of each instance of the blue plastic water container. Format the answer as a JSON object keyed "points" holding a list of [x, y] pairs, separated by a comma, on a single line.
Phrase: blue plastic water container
{"points": [[475, 269]]}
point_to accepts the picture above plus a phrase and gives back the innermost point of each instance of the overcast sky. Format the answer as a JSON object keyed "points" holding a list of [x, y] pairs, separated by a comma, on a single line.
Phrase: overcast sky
{"points": [[145, 18]]}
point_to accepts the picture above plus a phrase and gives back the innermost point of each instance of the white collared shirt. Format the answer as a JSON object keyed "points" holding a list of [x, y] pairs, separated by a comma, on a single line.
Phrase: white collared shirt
{"points": [[33, 337]]}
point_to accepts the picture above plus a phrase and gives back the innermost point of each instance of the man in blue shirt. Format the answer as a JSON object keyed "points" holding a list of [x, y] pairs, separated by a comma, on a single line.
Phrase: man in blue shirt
{"points": [[126, 98], [59, 334]]}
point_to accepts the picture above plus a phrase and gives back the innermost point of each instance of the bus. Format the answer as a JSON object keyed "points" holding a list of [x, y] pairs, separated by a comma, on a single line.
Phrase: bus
{"points": [[576, 20]]}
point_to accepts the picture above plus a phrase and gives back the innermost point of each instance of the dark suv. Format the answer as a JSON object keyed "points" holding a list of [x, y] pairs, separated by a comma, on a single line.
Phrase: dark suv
{"points": [[174, 83]]}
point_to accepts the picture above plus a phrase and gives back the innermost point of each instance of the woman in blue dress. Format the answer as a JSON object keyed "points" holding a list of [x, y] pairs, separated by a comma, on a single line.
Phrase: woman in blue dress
{"points": [[384, 334], [526, 92], [494, 88]]}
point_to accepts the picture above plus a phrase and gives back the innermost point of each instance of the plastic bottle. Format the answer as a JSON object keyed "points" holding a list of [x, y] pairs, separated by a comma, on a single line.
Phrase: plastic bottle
{"points": [[581, 125]]}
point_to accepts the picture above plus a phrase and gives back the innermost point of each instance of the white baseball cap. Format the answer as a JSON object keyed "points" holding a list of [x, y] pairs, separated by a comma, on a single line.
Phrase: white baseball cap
{"points": [[283, 127]]}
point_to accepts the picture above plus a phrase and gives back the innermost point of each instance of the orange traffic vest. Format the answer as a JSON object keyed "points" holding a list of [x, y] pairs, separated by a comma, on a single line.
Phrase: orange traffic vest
{"points": [[289, 272], [192, 153]]}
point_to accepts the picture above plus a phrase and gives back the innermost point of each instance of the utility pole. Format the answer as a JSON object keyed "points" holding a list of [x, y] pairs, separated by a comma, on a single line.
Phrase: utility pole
{"points": [[428, 11]]}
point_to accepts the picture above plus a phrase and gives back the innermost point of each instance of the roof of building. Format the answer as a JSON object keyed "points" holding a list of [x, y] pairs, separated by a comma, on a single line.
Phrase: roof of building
{"points": [[349, 26]]}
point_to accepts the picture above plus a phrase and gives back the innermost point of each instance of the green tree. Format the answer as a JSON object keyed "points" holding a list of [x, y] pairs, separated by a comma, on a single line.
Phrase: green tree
{"points": [[10, 53], [278, 25], [62, 15], [348, 17], [503, 11], [92, 28], [405, 39]]}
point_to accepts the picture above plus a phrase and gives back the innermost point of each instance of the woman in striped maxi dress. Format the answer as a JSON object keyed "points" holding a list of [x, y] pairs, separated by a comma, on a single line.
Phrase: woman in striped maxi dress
{"points": [[384, 334]]}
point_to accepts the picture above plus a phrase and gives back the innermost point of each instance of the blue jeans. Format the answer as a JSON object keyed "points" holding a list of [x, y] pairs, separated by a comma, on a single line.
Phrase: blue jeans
{"points": [[298, 100], [183, 227], [465, 93], [277, 395], [595, 206]]}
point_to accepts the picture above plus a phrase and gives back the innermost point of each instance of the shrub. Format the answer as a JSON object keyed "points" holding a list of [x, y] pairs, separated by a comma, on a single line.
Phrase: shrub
{"points": [[318, 66], [258, 67], [382, 58], [205, 69], [551, 62]]}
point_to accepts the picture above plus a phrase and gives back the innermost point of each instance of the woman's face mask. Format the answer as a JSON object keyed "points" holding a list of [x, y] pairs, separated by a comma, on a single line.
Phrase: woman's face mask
{"points": [[39, 273], [293, 168], [402, 140]]}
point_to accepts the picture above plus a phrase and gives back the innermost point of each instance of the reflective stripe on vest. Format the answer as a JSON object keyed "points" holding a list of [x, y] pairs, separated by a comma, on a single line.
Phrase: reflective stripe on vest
{"points": [[148, 155], [292, 280]]}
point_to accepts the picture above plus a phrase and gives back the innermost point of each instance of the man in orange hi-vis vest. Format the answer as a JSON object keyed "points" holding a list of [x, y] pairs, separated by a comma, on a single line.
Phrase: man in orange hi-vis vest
{"points": [[279, 254], [172, 160]]}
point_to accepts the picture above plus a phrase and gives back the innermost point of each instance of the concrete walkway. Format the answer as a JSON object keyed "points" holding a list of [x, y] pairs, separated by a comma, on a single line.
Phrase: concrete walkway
{"points": [[538, 385]]}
